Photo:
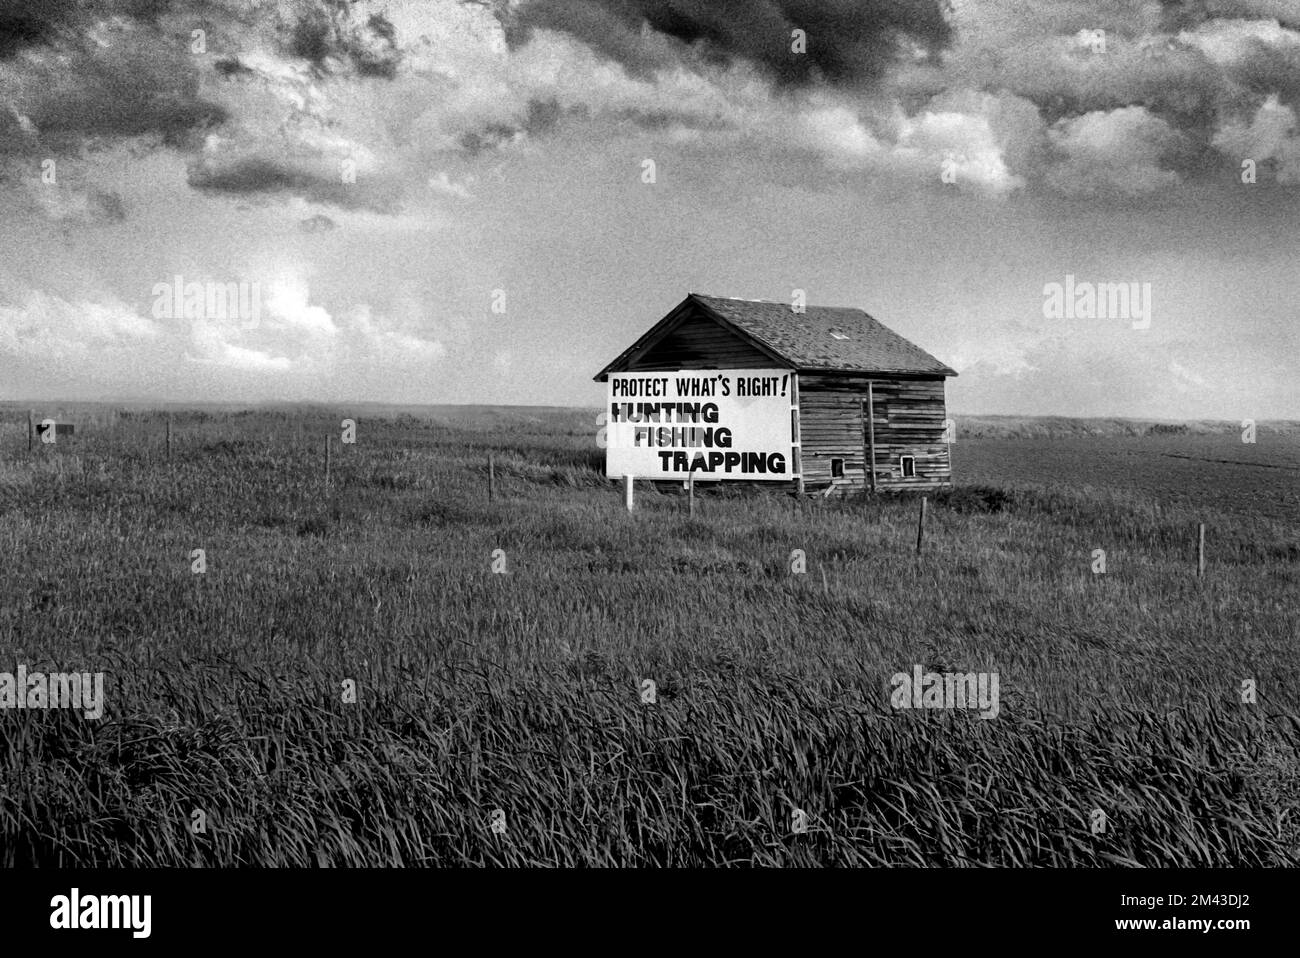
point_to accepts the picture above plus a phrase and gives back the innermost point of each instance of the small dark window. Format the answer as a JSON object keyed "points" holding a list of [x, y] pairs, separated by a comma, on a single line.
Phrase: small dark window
{"points": [[908, 465], [837, 468]]}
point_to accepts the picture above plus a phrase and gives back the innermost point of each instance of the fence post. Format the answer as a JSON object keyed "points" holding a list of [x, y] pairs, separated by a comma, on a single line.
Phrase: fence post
{"points": [[1200, 550], [327, 462], [169, 435], [690, 491], [31, 429], [920, 525], [492, 477], [627, 494]]}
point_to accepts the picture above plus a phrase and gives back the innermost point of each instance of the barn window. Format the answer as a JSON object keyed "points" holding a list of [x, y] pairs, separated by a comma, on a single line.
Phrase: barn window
{"points": [[908, 464], [837, 468]]}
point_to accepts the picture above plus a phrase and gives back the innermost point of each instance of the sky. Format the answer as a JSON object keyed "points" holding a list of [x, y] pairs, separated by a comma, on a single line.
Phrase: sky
{"points": [[443, 201]]}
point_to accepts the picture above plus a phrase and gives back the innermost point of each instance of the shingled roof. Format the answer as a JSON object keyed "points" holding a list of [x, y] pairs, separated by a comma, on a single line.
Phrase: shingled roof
{"points": [[826, 339], [822, 338]]}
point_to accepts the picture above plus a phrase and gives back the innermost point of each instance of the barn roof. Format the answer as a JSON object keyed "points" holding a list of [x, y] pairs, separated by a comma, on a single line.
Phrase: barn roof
{"points": [[833, 339]]}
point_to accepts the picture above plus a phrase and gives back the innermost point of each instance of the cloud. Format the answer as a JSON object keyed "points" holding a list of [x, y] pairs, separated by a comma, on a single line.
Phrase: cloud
{"points": [[214, 351], [445, 186], [376, 342], [76, 78], [847, 41], [1270, 135], [1195, 68], [963, 141], [291, 339], [295, 335], [360, 106], [330, 39], [292, 138], [839, 134], [1232, 42], [24, 24], [954, 140], [72, 205], [1115, 152], [250, 96], [288, 307], [51, 327]]}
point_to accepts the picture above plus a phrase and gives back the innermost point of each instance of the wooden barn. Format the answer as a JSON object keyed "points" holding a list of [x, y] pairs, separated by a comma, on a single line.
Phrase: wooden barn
{"points": [[862, 394]]}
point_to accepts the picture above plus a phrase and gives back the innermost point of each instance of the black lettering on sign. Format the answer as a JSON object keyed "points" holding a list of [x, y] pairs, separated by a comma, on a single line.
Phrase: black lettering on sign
{"points": [[729, 463], [663, 412]]}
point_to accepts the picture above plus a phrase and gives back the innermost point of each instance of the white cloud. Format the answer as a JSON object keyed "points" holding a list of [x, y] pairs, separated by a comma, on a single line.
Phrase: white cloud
{"points": [[967, 141], [1112, 151], [1270, 135], [446, 186], [252, 360], [287, 307], [1232, 41], [838, 134], [374, 341], [296, 334], [47, 325]]}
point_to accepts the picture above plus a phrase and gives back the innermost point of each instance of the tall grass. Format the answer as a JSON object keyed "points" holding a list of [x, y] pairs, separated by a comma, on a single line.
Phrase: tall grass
{"points": [[522, 691]]}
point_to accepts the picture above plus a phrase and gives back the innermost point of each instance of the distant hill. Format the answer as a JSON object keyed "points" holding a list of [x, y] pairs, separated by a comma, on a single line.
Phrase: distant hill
{"points": [[1065, 427]]}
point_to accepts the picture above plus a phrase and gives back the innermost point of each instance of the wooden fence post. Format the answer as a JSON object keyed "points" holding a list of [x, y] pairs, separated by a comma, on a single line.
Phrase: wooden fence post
{"points": [[31, 429], [627, 495], [920, 525], [327, 462], [690, 491], [492, 477], [1200, 550]]}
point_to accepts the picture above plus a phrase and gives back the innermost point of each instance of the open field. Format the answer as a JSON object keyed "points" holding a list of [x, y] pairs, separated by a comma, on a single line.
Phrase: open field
{"points": [[521, 691], [1195, 465]]}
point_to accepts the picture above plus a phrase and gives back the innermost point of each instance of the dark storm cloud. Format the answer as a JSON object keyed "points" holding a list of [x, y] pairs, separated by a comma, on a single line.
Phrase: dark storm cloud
{"points": [[311, 178], [25, 23], [126, 67], [325, 34], [74, 75], [76, 72], [848, 41]]}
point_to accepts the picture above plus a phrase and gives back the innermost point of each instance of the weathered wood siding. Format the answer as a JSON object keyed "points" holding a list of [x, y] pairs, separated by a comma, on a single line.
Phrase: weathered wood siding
{"points": [[909, 420], [700, 343]]}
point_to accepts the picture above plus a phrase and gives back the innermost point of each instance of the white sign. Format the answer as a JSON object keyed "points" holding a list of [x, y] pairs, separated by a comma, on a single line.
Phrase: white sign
{"points": [[715, 423]]}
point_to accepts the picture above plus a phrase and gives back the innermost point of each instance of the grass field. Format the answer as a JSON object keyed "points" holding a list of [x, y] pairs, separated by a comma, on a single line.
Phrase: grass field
{"points": [[520, 693]]}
